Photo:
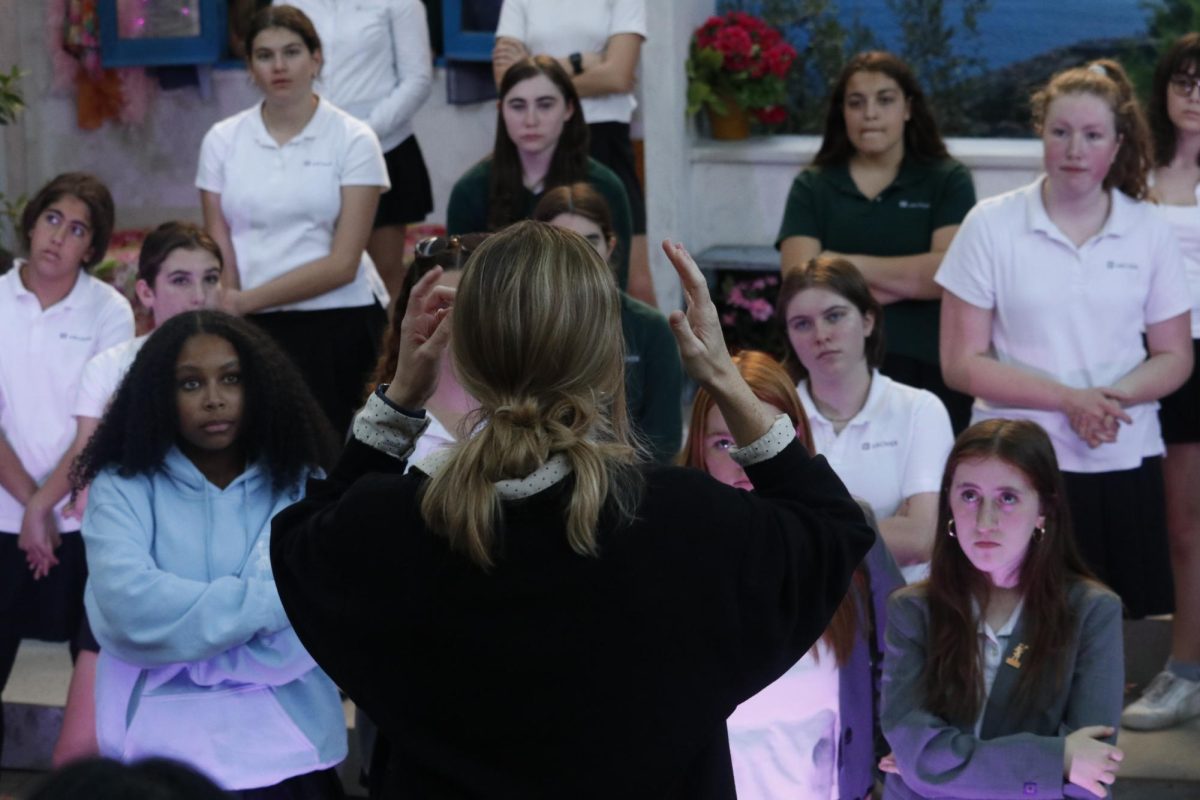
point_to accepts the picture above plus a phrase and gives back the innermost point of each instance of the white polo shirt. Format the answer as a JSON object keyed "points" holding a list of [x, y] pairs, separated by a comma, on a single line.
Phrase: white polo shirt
{"points": [[1073, 314], [282, 203], [41, 361], [378, 65], [558, 29], [1185, 222], [893, 448], [103, 375]]}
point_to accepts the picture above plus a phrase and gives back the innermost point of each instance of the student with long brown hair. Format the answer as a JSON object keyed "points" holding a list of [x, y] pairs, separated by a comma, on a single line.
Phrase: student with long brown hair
{"points": [[811, 731], [1003, 675]]}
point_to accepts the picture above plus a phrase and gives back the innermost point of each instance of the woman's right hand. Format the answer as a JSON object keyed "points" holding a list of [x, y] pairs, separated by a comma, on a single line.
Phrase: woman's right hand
{"points": [[1089, 762], [424, 334], [698, 329]]}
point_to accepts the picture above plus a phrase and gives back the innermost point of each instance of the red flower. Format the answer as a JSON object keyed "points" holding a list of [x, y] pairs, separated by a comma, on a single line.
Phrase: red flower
{"points": [[771, 115], [706, 34], [735, 45], [779, 59]]}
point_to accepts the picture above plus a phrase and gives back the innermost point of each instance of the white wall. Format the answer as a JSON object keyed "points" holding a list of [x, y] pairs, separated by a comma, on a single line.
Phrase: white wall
{"points": [[151, 168]]}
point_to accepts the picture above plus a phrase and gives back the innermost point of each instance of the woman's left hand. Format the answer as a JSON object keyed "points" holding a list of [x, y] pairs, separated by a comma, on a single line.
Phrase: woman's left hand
{"points": [[38, 539], [888, 764], [424, 334]]}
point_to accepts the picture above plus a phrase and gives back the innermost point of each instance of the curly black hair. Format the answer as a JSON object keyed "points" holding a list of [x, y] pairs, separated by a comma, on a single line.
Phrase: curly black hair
{"points": [[282, 425]]}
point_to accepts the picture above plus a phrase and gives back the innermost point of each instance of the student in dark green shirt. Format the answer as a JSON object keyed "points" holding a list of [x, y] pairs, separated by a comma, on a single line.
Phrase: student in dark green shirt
{"points": [[653, 370], [541, 143], [884, 194]]}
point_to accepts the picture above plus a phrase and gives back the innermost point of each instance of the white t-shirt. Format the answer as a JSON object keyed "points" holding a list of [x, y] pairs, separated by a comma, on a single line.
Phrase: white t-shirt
{"points": [[1073, 314], [103, 375], [893, 448], [558, 29], [41, 361], [282, 203], [378, 65], [1185, 222], [784, 740]]}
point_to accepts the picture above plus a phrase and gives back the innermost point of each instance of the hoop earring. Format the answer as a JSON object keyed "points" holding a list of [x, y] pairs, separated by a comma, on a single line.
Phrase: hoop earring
{"points": [[1039, 533], [951, 530]]}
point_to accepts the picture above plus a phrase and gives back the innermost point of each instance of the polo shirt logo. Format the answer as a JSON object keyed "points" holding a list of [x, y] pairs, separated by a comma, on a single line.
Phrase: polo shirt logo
{"points": [[308, 162], [1121, 265], [913, 204], [877, 445], [75, 337]]}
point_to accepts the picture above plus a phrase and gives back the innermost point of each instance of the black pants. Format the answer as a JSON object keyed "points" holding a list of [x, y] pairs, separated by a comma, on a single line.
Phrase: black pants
{"points": [[924, 375]]}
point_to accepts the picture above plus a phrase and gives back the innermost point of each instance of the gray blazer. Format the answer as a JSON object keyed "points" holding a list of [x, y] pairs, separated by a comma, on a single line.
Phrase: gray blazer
{"points": [[1017, 754]]}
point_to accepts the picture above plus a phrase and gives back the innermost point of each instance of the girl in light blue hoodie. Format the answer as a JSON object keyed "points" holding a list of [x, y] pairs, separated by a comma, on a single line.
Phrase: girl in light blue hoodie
{"points": [[210, 435]]}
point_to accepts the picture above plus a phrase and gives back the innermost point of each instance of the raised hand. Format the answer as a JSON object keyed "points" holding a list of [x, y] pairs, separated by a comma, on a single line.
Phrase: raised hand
{"points": [[424, 334], [697, 329]]}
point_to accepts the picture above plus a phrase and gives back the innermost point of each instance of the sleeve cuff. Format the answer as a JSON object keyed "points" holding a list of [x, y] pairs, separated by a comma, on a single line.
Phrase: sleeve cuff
{"points": [[781, 433], [388, 428]]}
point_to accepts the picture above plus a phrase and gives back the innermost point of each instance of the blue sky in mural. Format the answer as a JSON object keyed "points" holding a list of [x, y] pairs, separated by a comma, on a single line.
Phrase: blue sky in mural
{"points": [[1014, 30]]}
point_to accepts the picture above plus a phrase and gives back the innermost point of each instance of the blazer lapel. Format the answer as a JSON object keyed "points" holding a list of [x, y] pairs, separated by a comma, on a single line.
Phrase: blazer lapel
{"points": [[1001, 715]]}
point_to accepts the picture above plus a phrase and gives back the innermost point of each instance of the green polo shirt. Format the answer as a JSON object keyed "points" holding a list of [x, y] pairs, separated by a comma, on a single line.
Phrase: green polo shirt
{"points": [[825, 204], [653, 378], [467, 211]]}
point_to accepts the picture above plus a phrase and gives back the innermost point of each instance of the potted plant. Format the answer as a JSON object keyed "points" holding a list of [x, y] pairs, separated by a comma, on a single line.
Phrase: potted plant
{"points": [[11, 105], [737, 66]]}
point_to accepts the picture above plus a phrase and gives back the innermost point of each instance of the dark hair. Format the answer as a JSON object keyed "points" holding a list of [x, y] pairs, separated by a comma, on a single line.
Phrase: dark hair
{"points": [[106, 779], [166, 239], [842, 278], [569, 164], [282, 425], [286, 17], [579, 199], [953, 673], [1106, 79], [87, 189], [453, 256], [921, 138], [1182, 57]]}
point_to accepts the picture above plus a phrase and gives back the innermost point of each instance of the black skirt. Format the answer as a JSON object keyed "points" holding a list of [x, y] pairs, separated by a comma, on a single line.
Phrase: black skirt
{"points": [[1120, 523], [1179, 412], [411, 197], [50, 609], [609, 144]]}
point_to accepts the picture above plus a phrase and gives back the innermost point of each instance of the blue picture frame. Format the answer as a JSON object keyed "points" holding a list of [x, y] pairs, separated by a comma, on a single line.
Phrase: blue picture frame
{"points": [[206, 48], [459, 44]]}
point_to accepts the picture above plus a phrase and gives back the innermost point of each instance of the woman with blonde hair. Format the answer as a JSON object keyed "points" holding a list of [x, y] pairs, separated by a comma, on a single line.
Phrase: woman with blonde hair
{"points": [[811, 730], [531, 612]]}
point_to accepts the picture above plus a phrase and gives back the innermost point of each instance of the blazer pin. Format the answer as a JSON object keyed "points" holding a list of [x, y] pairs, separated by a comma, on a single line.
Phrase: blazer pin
{"points": [[1014, 660]]}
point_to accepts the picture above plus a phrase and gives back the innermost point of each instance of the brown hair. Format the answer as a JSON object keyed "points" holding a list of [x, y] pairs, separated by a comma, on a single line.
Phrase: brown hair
{"points": [[1183, 57], [953, 674], [536, 341], [579, 199], [771, 384], [921, 138], [1106, 79], [452, 257], [166, 239], [506, 184], [286, 17], [842, 278], [87, 189]]}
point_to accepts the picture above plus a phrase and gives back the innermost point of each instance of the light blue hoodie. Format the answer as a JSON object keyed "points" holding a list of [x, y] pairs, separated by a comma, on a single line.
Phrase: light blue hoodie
{"points": [[198, 661]]}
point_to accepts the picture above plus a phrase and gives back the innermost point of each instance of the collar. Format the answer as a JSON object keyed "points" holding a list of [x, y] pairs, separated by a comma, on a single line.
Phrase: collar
{"points": [[548, 474], [1122, 214], [1006, 629], [870, 410], [839, 176], [73, 298], [310, 131]]}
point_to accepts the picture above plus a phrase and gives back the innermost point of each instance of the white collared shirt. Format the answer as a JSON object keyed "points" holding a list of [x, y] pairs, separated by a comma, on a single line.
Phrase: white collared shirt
{"points": [[992, 646], [559, 28], [378, 65], [893, 448], [103, 375], [282, 202], [41, 361], [1073, 314], [1185, 222]]}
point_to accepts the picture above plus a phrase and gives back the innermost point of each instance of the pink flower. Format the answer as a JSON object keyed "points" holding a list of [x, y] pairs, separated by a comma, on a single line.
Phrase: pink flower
{"points": [[761, 310]]}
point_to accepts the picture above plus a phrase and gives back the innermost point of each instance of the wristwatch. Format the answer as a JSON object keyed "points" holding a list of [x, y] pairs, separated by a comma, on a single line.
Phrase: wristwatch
{"points": [[576, 60]]}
